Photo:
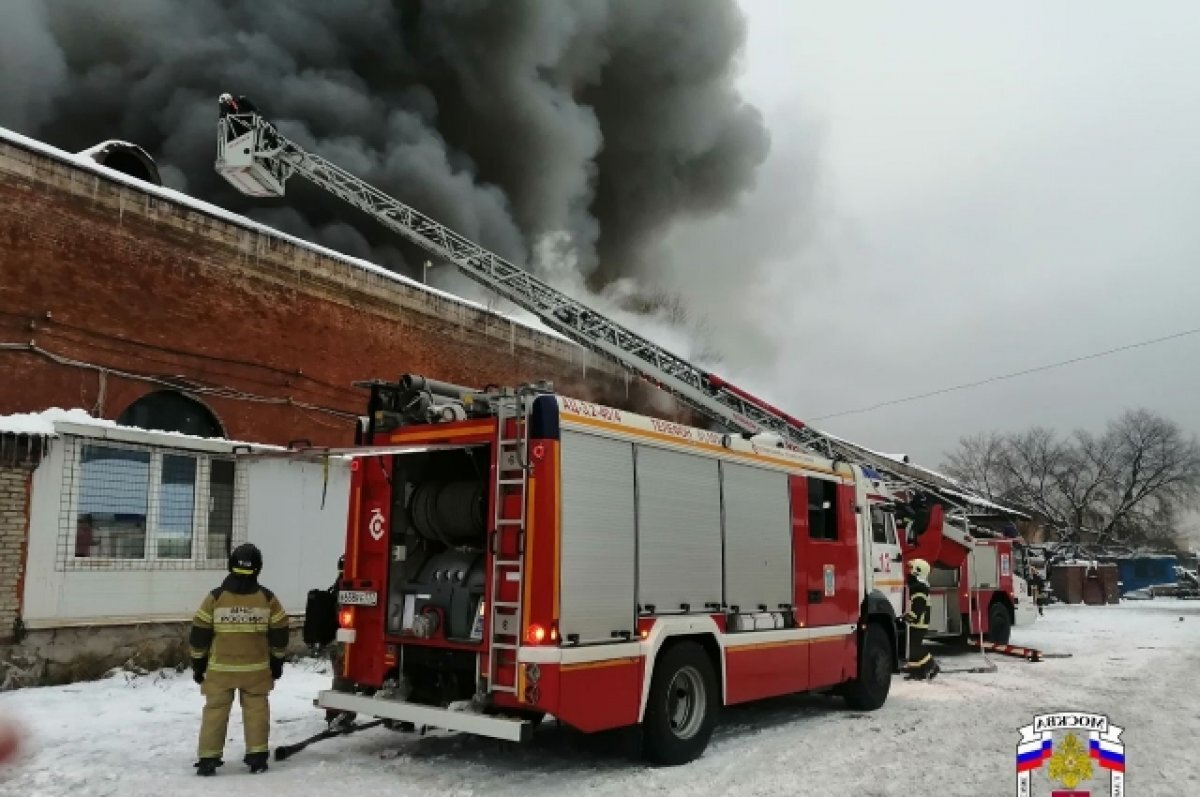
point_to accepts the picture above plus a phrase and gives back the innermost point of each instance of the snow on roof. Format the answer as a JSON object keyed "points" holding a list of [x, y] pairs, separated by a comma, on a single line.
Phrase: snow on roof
{"points": [[26, 423], [84, 160], [103, 145], [56, 421]]}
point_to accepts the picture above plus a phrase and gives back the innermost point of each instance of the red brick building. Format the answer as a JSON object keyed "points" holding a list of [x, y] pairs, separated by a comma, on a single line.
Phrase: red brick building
{"points": [[143, 306]]}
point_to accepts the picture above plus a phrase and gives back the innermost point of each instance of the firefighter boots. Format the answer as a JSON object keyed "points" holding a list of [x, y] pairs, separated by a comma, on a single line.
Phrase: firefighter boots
{"points": [[257, 762], [926, 671], [208, 766]]}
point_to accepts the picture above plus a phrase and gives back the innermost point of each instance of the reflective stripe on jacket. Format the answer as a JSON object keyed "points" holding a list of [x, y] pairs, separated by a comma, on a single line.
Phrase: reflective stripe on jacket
{"points": [[239, 632], [917, 615]]}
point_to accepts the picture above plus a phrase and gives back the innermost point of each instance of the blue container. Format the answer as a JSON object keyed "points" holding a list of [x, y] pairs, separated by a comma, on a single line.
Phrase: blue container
{"points": [[1139, 572]]}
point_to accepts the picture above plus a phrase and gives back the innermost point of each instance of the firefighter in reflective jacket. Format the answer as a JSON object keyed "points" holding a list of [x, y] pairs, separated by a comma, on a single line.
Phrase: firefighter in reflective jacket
{"points": [[921, 664], [238, 640]]}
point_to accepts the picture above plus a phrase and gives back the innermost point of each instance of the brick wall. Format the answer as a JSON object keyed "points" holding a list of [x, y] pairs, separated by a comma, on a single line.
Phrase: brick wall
{"points": [[14, 523], [114, 287]]}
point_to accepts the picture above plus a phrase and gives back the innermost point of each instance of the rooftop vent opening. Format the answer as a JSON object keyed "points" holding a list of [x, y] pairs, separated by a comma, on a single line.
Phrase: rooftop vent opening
{"points": [[126, 158]]}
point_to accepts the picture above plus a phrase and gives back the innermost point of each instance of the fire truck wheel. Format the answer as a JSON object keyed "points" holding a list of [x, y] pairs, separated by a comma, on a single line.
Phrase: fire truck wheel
{"points": [[999, 625], [870, 689], [682, 708]]}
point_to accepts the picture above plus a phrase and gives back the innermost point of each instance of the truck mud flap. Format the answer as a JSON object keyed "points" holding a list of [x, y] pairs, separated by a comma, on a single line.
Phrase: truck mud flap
{"points": [[512, 730]]}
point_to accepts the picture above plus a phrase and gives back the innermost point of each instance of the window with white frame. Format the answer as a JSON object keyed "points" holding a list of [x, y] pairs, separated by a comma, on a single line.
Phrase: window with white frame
{"points": [[143, 507]]}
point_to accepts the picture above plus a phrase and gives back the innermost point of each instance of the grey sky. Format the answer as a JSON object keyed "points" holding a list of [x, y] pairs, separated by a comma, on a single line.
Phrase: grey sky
{"points": [[962, 190]]}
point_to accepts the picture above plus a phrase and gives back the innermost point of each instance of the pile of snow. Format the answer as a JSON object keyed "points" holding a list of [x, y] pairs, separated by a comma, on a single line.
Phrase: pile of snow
{"points": [[42, 423], [46, 423]]}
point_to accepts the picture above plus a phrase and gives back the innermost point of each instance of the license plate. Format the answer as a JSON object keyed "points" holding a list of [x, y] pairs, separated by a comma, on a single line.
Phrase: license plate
{"points": [[357, 597]]}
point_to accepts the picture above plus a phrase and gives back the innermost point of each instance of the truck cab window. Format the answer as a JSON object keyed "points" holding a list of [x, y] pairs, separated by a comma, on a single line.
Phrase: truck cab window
{"points": [[879, 530], [822, 509]]}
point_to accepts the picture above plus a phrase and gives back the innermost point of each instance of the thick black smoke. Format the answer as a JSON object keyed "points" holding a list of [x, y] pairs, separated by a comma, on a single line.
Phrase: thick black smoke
{"points": [[596, 122]]}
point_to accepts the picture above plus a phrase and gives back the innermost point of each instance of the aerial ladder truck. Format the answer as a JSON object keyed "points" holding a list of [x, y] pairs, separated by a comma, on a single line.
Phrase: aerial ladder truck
{"points": [[521, 446]]}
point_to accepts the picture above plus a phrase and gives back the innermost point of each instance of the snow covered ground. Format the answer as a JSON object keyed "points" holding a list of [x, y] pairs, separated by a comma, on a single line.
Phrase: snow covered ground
{"points": [[1137, 663]]}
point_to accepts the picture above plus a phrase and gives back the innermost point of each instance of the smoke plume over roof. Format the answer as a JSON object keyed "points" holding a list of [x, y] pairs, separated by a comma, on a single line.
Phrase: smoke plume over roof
{"points": [[595, 122]]}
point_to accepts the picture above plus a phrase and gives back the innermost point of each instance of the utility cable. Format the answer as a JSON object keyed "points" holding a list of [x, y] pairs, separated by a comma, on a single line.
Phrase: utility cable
{"points": [[1014, 374], [222, 392]]}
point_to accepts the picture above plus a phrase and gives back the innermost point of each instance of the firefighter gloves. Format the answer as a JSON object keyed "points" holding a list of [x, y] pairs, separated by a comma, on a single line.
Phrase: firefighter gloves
{"points": [[198, 668]]}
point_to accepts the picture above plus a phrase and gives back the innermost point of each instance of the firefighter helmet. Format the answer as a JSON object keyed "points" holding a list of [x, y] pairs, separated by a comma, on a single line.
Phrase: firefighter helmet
{"points": [[246, 560], [919, 568]]}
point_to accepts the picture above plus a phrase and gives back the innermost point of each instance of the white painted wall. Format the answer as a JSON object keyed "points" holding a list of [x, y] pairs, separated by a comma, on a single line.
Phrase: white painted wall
{"points": [[300, 540]]}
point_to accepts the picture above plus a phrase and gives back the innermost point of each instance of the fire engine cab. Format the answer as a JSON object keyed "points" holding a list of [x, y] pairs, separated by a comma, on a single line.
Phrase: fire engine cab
{"points": [[516, 553], [976, 583]]}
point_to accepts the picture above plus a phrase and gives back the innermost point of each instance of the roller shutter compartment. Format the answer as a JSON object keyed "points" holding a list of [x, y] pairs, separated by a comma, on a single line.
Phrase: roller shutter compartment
{"points": [[679, 531], [598, 547]]}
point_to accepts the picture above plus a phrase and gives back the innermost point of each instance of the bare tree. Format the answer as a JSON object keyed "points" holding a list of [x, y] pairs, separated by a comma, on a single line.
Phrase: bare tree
{"points": [[1035, 470], [1156, 472], [1128, 484], [977, 462]]}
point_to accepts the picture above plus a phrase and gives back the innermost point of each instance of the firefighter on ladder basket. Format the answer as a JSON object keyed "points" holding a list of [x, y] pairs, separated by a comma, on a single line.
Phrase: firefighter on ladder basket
{"points": [[229, 106], [921, 664]]}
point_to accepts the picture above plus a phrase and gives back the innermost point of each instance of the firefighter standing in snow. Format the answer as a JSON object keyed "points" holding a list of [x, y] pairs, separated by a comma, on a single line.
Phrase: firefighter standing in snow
{"points": [[336, 652], [238, 640], [921, 664]]}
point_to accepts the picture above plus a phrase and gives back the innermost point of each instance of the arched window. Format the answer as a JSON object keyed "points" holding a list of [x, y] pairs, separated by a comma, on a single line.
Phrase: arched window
{"points": [[170, 411]]}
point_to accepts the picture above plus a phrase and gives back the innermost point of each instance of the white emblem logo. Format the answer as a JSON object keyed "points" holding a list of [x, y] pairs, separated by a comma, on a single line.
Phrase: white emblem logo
{"points": [[375, 524]]}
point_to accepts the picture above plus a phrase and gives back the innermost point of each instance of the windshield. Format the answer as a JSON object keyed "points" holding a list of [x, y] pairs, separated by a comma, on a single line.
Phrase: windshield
{"points": [[1020, 562]]}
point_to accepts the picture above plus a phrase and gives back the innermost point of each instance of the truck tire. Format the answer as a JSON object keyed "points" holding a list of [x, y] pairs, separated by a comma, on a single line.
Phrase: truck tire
{"points": [[870, 689], [999, 624], [681, 710]]}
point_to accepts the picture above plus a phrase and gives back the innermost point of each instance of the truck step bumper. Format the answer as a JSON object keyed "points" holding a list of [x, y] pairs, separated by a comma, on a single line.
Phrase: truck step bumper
{"points": [[512, 730]]}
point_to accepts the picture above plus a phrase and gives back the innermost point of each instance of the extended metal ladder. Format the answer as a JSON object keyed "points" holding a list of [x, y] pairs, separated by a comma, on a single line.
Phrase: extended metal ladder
{"points": [[508, 539], [260, 163]]}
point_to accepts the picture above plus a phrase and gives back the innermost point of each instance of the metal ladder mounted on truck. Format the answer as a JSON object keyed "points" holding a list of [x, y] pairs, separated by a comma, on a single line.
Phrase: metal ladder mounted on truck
{"points": [[508, 543], [257, 160]]}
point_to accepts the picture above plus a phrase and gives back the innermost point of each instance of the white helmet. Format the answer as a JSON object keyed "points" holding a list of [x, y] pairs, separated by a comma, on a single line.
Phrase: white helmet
{"points": [[919, 568], [226, 98]]}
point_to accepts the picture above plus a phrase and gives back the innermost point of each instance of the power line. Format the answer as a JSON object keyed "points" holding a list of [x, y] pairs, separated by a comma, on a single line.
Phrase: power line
{"points": [[1012, 375], [176, 383], [48, 325]]}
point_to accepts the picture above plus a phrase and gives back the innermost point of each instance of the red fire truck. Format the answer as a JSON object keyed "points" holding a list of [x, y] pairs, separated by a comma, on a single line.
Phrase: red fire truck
{"points": [[975, 586], [515, 554]]}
